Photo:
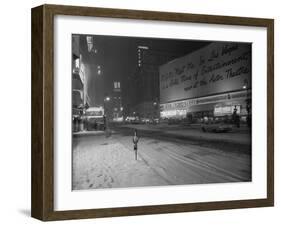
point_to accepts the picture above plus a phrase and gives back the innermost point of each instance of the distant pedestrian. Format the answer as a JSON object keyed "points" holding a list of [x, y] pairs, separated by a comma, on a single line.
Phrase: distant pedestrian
{"points": [[238, 121], [234, 114], [249, 121], [236, 117], [135, 141], [95, 125]]}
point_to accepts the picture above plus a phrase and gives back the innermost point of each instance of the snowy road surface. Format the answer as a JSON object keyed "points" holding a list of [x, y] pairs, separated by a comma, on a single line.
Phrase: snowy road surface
{"points": [[100, 162]]}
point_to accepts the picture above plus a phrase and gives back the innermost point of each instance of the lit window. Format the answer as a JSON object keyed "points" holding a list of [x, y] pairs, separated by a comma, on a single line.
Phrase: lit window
{"points": [[89, 39], [77, 63], [115, 85], [90, 43]]}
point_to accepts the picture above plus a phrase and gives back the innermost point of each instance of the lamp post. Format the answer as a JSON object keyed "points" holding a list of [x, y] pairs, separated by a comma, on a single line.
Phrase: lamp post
{"points": [[155, 111], [106, 117], [246, 86]]}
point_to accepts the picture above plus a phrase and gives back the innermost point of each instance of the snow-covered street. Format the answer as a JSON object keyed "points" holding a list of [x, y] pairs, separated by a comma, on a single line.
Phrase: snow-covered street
{"points": [[109, 162], [100, 162]]}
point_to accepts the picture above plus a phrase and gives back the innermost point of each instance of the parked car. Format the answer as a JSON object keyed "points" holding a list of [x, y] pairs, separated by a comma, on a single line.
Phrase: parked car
{"points": [[216, 127]]}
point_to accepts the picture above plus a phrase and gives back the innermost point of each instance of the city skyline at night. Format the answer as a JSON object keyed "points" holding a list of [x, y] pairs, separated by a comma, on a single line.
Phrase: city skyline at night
{"points": [[116, 59], [160, 112]]}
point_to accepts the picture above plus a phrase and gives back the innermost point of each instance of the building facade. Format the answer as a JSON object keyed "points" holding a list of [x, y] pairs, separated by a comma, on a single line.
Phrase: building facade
{"points": [[80, 97], [211, 82], [117, 108], [113, 103]]}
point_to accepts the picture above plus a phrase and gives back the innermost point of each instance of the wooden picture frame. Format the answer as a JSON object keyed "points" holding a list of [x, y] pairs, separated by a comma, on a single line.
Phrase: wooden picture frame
{"points": [[42, 203]]}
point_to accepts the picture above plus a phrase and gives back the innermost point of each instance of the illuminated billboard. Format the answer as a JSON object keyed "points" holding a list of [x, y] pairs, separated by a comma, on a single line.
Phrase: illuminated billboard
{"points": [[220, 67]]}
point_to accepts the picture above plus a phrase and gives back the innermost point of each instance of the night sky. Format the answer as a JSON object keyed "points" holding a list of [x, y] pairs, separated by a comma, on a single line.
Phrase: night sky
{"points": [[117, 57]]}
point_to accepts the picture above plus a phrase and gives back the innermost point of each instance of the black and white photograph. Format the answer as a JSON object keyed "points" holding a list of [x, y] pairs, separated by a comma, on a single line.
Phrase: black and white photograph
{"points": [[160, 112]]}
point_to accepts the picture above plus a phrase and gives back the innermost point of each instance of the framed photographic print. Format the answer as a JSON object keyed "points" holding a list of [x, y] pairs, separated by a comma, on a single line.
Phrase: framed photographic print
{"points": [[141, 112]]}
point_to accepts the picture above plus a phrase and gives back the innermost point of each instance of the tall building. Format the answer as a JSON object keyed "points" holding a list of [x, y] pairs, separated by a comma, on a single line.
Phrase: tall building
{"points": [[93, 61], [144, 82], [86, 70], [80, 98], [113, 103], [117, 101], [79, 93]]}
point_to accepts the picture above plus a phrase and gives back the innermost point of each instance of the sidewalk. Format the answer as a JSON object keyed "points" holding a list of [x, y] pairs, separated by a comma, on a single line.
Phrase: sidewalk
{"points": [[240, 135], [107, 163]]}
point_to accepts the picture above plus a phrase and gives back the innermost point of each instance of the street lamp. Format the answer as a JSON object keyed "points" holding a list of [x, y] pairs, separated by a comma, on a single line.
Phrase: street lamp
{"points": [[99, 69], [106, 117], [246, 84]]}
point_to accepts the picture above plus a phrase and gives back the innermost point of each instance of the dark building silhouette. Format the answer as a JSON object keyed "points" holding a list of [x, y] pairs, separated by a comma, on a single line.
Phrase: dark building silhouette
{"points": [[144, 82]]}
